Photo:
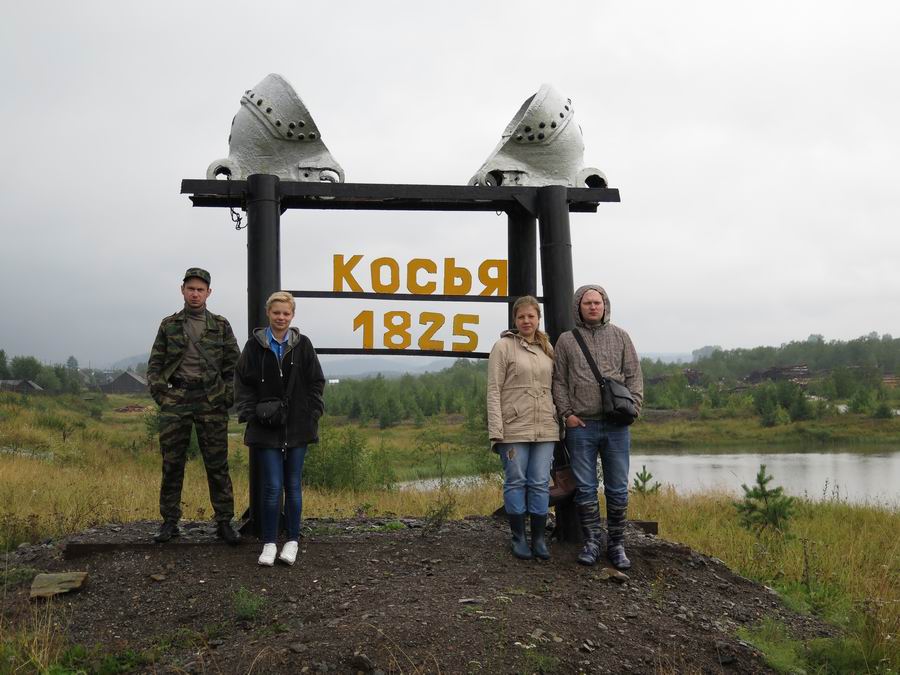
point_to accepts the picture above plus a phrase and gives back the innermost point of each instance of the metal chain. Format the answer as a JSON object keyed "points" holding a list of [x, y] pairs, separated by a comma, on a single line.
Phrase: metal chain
{"points": [[236, 217]]}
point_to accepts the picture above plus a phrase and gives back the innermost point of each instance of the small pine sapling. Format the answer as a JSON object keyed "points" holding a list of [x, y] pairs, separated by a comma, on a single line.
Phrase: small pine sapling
{"points": [[642, 484], [764, 508]]}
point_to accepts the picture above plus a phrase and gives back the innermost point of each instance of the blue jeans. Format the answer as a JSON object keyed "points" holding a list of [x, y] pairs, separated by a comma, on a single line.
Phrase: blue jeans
{"points": [[281, 470], [527, 482], [611, 443]]}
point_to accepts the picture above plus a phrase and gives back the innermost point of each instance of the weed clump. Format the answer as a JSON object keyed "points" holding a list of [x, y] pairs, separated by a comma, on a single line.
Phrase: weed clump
{"points": [[247, 604]]}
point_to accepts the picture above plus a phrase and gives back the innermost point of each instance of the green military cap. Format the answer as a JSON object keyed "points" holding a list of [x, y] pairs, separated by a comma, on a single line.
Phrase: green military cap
{"points": [[199, 273]]}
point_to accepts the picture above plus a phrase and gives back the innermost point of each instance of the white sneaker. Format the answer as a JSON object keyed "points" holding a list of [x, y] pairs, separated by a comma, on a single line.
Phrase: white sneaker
{"points": [[267, 557], [289, 553]]}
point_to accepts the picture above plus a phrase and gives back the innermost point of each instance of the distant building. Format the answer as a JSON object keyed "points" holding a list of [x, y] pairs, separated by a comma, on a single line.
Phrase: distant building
{"points": [[798, 374], [21, 386], [126, 383]]}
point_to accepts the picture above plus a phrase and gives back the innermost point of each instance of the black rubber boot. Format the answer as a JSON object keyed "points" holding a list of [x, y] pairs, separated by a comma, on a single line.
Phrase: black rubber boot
{"points": [[589, 516], [167, 530], [519, 544], [615, 524], [538, 540]]}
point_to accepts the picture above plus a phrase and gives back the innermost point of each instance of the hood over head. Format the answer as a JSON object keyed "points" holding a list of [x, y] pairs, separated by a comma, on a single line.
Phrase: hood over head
{"points": [[577, 304]]}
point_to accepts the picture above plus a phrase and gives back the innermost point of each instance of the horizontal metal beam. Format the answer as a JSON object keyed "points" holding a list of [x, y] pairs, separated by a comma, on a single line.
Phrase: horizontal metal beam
{"points": [[354, 295], [401, 352], [387, 197]]}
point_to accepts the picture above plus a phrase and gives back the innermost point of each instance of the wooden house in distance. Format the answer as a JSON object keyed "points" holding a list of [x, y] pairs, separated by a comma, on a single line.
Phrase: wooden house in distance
{"points": [[126, 383], [21, 386]]}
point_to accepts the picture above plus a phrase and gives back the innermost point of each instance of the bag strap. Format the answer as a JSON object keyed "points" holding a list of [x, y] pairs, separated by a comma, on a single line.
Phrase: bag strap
{"points": [[203, 353], [579, 338], [566, 457]]}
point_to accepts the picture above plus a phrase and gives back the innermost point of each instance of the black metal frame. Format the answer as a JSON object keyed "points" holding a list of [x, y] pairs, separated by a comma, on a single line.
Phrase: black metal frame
{"points": [[265, 198]]}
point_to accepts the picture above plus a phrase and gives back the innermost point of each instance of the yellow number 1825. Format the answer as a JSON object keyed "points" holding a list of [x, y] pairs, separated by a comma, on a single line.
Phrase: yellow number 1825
{"points": [[397, 330]]}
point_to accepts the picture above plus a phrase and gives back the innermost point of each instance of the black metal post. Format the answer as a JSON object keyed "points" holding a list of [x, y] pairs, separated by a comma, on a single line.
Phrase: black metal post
{"points": [[521, 243], [558, 282], [556, 260], [263, 279], [263, 246]]}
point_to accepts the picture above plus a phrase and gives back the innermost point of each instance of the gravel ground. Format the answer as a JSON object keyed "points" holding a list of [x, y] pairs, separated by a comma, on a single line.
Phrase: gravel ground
{"points": [[394, 596]]}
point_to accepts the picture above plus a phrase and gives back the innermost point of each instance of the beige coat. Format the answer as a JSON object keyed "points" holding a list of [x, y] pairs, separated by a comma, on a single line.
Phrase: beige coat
{"points": [[519, 400]]}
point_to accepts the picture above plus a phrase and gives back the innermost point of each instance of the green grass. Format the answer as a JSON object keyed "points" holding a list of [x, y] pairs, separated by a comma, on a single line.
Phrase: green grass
{"points": [[80, 659], [841, 562], [700, 432]]}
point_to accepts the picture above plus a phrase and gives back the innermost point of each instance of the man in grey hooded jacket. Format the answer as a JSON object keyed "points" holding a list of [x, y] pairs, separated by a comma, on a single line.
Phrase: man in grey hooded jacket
{"points": [[589, 437]]}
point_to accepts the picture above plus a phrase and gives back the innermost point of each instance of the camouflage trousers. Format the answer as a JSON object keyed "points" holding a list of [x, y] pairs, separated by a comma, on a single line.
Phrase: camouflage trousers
{"points": [[181, 410]]}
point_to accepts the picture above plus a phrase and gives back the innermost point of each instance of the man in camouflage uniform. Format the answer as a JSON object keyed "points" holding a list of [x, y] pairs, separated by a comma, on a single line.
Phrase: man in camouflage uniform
{"points": [[191, 377]]}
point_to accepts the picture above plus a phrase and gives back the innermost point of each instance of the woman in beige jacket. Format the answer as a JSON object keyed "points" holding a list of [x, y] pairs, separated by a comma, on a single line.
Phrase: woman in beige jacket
{"points": [[522, 424]]}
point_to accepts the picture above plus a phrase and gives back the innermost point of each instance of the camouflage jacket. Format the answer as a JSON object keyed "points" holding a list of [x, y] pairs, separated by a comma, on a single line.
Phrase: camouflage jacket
{"points": [[217, 343]]}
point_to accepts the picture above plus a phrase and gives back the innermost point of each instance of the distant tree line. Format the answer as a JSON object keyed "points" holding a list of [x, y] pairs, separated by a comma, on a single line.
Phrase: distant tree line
{"points": [[881, 353], [56, 379], [460, 389], [843, 373], [849, 373]]}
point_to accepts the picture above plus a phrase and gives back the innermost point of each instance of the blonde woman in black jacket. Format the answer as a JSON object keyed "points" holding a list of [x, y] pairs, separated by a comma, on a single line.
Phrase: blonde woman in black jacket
{"points": [[278, 365]]}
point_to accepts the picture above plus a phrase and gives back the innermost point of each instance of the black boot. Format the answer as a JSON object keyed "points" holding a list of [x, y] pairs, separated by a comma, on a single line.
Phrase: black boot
{"points": [[167, 530], [519, 543], [538, 541], [226, 532], [589, 516], [615, 524]]}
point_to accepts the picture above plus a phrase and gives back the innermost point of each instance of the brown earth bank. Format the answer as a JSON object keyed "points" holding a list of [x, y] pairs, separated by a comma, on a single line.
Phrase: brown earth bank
{"points": [[399, 595]]}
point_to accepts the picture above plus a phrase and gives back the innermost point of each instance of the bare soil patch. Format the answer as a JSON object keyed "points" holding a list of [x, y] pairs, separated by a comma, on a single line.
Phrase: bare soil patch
{"points": [[388, 595]]}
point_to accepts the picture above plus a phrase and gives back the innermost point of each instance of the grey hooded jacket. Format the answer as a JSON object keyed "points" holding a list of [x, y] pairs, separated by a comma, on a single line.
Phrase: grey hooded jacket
{"points": [[575, 389]]}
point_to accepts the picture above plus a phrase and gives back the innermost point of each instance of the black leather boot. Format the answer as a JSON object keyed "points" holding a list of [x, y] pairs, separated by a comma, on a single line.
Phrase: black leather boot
{"points": [[615, 524], [538, 541], [519, 544], [167, 530], [589, 516], [226, 532]]}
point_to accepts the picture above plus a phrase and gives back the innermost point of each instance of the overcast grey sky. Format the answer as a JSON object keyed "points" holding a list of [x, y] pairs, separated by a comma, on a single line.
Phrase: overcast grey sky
{"points": [[755, 147]]}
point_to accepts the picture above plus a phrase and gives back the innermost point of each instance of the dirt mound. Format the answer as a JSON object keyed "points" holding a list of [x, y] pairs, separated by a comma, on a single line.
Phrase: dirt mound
{"points": [[388, 595], [134, 408]]}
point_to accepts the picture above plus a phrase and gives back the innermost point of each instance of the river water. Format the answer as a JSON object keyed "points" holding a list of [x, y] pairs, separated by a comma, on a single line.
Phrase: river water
{"points": [[861, 474], [858, 474]]}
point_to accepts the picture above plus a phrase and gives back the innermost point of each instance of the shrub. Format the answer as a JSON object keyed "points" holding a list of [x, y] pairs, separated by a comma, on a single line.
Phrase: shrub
{"points": [[342, 460], [862, 402], [883, 411], [775, 417]]}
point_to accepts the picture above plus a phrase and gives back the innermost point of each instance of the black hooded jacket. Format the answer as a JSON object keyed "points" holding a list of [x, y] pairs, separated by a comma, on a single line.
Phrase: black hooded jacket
{"points": [[258, 376]]}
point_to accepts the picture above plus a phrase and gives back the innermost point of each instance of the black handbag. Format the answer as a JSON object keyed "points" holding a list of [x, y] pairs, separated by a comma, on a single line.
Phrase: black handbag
{"points": [[273, 411], [616, 399]]}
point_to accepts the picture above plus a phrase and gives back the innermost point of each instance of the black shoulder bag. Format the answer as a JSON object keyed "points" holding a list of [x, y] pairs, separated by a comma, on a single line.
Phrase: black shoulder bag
{"points": [[273, 411], [616, 400]]}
